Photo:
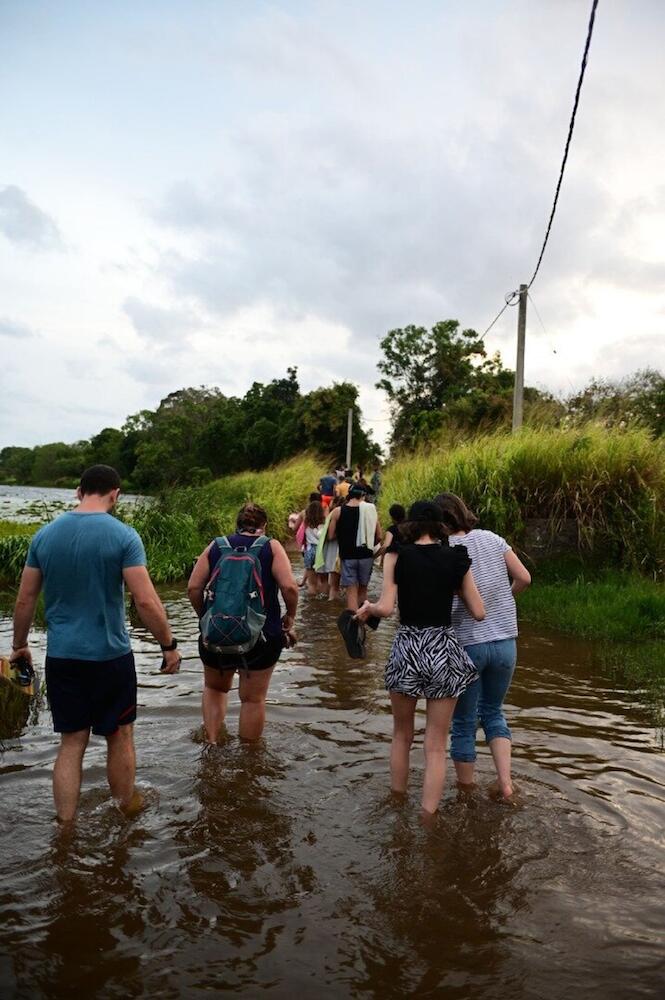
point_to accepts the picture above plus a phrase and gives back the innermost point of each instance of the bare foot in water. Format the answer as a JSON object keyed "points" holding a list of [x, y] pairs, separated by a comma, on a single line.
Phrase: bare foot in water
{"points": [[503, 792], [134, 806]]}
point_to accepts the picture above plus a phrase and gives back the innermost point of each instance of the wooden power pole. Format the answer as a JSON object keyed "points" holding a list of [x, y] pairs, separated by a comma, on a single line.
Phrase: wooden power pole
{"points": [[349, 431], [518, 391]]}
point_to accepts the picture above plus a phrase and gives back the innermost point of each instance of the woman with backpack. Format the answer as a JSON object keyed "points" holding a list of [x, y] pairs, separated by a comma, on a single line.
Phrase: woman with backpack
{"points": [[490, 643], [234, 589], [426, 661]]}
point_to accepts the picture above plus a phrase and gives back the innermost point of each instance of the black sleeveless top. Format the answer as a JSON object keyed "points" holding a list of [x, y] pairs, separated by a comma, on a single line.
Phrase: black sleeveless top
{"points": [[347, 531]]}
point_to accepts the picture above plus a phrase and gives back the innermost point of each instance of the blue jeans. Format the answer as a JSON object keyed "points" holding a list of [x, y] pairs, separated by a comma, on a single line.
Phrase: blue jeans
{"points": [[495, 663]]}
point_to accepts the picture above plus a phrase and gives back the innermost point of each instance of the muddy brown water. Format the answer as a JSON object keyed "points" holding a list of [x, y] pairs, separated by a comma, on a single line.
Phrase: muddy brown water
{"points": [[285, 869]]}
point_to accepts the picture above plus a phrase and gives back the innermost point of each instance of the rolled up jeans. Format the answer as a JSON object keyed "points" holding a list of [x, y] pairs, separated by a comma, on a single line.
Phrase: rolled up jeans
{"points": [[483, 700]]}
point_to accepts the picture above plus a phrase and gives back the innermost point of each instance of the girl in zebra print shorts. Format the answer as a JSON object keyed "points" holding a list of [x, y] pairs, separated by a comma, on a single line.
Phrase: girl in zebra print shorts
{"points": [[422, 574]]}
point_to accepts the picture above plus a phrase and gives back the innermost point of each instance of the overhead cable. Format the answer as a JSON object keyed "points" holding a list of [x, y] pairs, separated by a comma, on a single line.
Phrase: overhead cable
{"points": [[568, 140]]}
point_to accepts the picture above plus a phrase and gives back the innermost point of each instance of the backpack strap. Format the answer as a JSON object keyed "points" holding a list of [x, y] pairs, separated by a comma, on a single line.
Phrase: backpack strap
{"points": [[223, 542], [259, 542]]}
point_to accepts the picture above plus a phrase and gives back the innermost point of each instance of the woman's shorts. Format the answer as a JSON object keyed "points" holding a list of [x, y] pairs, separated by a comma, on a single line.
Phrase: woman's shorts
{"points": [[309, 555], [428, 663], [265, 654]]}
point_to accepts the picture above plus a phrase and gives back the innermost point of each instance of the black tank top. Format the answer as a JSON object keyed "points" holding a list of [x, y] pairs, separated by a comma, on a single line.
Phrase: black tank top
{"points": [[347, 531]]}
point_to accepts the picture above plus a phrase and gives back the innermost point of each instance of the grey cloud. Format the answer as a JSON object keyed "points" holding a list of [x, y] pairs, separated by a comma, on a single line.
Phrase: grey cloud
{"points": [[160, 324], [24, 223], [10, 328], [399, 189]]}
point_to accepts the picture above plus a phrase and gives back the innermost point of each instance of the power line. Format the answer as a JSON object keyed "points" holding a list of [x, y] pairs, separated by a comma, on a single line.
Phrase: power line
{"points": [[569, 138], [535, 309], [513, 297]]}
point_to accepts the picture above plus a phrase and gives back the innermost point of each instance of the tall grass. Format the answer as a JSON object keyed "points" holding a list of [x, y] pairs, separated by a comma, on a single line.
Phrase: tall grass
{"points": [[180, 523], [612, 484]]}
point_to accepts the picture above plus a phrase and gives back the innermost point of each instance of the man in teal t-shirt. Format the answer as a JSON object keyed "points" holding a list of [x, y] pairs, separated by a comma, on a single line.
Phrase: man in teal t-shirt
{"points": [[82, 561]]}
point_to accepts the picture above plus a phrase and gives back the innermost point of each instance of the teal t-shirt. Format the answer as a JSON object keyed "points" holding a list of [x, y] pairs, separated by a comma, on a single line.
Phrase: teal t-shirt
{"points": [[81, 557]]}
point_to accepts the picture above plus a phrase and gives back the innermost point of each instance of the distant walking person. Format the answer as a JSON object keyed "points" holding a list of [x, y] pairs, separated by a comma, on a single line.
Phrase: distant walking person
{"points": [[426, 660], [356, 527], [491, 643], [327, 485], [397, 516], [82, 561], [317, 582], [255, 665]]}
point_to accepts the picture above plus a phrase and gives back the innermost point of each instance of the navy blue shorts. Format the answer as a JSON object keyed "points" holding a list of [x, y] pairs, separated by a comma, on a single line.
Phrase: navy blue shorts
{"points": [[91, 694], [265, 654]]}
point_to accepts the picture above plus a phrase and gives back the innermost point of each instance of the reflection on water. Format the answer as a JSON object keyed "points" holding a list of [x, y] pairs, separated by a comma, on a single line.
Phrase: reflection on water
{"points": [[286, 868]]}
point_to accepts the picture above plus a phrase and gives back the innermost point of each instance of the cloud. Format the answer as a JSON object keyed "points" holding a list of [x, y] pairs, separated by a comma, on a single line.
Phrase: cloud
{"points": [[24, 223], [158, 323], [10, 328]]}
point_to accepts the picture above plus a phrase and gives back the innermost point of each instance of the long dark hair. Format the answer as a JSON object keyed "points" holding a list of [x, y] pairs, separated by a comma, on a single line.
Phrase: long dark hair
{"points": [[314, 515], [456, 514]]}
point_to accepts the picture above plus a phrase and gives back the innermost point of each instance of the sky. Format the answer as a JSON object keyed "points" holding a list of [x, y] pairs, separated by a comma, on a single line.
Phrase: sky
{"points": [[201, 192]]}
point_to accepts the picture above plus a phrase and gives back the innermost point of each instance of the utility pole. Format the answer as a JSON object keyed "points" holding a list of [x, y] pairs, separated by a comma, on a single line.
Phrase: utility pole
{"points": [[349, 432], [518, 391]]}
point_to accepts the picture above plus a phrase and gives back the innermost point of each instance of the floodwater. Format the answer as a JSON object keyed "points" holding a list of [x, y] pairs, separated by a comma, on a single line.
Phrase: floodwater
{"points": [[284, 869], [40, 503]]}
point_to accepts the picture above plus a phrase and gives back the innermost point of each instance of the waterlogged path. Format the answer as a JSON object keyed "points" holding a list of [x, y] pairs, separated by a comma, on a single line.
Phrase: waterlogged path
{"points": [[285, 870]]}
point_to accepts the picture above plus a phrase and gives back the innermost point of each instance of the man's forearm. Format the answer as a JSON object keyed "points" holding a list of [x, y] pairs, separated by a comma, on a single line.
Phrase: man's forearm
{"points": [[24, 612], [153, 616]]}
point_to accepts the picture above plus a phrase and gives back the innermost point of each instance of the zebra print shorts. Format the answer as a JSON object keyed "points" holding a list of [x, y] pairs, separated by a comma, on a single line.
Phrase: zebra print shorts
{"points": [[428, 663]]}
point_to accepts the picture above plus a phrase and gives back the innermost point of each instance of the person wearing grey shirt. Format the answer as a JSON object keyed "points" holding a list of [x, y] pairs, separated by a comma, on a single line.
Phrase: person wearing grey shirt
{"points": [[490, 643]]}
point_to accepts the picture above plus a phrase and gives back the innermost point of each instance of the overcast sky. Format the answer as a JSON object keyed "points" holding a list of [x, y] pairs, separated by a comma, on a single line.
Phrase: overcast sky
{"points": [[206, 192]]}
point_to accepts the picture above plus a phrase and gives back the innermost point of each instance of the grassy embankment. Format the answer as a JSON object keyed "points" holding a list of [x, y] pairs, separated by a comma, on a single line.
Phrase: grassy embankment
{"points": [[179, 523], [610, 487]]}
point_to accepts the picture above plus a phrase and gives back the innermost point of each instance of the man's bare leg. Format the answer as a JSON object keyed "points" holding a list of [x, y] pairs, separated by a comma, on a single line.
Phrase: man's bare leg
{"points": [[121, 765], [352, 597], [67, 773]]}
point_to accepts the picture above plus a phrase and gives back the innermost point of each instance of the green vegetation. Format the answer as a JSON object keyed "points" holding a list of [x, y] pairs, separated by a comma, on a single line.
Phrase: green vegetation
{"points": [[8, 529], [13, 551], [611, 486], [623, 612], [612, 606], [180, 523], [198, 434]]}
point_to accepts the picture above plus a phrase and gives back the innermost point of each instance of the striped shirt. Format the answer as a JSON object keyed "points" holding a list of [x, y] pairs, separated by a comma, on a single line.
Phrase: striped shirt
{"points": [[491, 575]]}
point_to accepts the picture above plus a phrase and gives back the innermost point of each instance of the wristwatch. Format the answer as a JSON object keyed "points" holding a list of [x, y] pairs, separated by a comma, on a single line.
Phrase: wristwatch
{"points": [[171, 646]]}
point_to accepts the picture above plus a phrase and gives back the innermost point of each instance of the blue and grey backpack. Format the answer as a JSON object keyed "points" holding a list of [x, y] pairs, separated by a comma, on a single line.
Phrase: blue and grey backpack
{"points": [[233, 603]]}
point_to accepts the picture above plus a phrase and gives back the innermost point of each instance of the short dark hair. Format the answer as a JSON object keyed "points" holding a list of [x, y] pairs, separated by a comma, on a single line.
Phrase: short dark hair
{"points": [[314, 497], [99, 480], [456, 514], [250, 517], [397, 513]]}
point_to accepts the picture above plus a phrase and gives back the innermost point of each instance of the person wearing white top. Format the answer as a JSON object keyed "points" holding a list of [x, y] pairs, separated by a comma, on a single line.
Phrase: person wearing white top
{"points": [[491, 644]]}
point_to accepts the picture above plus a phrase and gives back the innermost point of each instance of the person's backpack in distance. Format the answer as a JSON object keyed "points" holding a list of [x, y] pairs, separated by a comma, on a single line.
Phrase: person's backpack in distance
{"points": [[233, 603]]}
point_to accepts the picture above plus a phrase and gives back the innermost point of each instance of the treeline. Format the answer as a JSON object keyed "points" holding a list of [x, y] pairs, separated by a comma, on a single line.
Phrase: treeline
{"points": [[440, 382], [198, 434]]}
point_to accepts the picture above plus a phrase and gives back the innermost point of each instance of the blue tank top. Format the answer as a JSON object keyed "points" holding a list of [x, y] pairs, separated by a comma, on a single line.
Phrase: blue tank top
{"points": [[273, 624]]}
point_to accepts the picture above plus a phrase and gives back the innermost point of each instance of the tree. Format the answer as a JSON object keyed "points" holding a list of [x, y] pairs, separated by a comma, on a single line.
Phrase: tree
{"points": [[425, 372], [638, 398], [322, 417]]}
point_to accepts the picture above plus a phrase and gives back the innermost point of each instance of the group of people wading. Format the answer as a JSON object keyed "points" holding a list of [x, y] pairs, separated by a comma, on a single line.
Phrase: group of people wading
{"points": [[455, 646]]}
